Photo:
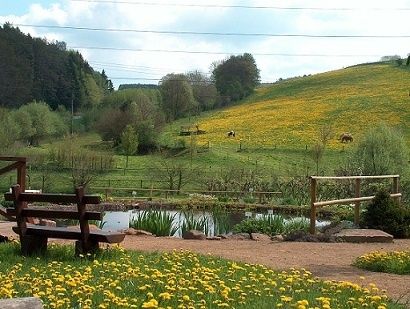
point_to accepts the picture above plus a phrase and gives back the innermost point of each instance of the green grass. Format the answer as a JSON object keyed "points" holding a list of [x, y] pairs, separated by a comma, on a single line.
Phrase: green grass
{"points": [[127, 279], [396, 262]]}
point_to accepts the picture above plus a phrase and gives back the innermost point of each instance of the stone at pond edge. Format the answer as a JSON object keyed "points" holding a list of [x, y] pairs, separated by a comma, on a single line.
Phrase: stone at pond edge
{"points": [[260, 237], [194, 234], [240, 236], [363, 236], [213, 238], [277, 238], [132, 231]]}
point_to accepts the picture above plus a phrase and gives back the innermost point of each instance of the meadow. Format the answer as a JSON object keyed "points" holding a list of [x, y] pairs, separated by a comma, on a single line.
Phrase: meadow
{"points": [[180, 279]]}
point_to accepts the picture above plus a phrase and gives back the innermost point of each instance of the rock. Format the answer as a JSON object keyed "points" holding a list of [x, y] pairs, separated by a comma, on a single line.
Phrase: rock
{"points": [[336, 227], [240, 236], [260, 237], [277, 238], [46, 222], [21, 303], [143, 233], [213, 238], [194, 234], [363, 236], [129, 231], [223, 236]]}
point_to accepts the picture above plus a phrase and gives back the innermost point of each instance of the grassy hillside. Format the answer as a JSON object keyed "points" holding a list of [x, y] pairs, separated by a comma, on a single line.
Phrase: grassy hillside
{"points": [[275, 131], [290, 113]]}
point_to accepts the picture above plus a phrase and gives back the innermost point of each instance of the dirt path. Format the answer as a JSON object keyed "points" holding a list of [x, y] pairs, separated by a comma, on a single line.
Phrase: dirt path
{"points": [[325, 260]]}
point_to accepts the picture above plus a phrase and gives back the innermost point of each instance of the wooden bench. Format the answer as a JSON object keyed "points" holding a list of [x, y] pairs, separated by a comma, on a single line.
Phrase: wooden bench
{"points": [[33, 238]]}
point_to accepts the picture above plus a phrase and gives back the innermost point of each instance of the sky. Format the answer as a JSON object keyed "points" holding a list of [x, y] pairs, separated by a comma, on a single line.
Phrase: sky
{"points": [[140, 41]]}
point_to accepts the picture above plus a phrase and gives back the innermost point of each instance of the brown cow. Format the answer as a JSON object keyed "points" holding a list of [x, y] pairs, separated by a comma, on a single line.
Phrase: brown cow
{"points": [[346, 137]]}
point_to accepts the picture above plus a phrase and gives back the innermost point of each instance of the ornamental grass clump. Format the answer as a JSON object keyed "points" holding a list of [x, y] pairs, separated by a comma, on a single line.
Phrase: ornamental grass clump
{"points": [[157, 222], [396, 262], [116, 278], [272, 225], [191, 222]]}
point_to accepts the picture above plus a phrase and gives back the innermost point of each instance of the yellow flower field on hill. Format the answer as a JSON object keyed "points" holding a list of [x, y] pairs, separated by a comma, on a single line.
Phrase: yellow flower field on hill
{"points": [[291, 113]]}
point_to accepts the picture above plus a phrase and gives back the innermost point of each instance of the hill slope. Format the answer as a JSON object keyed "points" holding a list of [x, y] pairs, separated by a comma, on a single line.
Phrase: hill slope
{"points": [[290, 113]]}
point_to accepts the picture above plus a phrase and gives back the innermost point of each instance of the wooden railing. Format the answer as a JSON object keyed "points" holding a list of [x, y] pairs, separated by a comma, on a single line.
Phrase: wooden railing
{"points": [[19, 165], [314, 204]]}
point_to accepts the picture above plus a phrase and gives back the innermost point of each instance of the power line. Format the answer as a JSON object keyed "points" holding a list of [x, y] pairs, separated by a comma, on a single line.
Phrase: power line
{"points": [[216, 33], [242, 6], [221, 53]]}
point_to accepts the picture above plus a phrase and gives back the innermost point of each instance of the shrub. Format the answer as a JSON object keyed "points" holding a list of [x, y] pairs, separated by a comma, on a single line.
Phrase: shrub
{"points": [[385, 214]]}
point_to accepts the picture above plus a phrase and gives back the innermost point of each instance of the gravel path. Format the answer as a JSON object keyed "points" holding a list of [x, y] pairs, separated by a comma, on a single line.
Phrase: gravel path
{"points": [[326, 260]]}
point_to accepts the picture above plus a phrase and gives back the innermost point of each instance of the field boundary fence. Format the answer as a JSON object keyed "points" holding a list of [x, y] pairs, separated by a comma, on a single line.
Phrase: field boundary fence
{"points": [[149, 193]]}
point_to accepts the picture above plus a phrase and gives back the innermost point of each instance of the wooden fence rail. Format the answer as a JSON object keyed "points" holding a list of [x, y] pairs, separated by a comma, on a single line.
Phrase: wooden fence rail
{"points": [[314, 204]]}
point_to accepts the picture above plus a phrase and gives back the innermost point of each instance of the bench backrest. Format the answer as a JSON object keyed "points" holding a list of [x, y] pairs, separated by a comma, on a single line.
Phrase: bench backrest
{"points": [[22, 213]]}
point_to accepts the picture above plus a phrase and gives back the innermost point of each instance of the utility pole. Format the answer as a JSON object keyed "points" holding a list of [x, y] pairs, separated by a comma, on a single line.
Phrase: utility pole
{"points": [[72, 113]]}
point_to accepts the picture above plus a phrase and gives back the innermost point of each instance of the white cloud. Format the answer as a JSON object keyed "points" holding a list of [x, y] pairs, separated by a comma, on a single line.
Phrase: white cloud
{"points": [[140, 17]]}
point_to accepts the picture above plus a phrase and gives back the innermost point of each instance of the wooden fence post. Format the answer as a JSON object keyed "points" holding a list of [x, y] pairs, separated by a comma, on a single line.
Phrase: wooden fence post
{"points": [[396, 188], [313, 194], [357, 204]]}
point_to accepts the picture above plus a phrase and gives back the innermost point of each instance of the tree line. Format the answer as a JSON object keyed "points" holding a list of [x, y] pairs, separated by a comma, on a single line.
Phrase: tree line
{"points": [[33, 69], [38, 76]]}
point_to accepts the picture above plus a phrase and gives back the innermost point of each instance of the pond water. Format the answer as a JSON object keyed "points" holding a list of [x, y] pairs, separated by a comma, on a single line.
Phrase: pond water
{"points": [[120, 220]]}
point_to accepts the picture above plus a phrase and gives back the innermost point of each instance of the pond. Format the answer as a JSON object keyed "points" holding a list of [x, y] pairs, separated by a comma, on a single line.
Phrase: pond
{"points": [[214, 223]]}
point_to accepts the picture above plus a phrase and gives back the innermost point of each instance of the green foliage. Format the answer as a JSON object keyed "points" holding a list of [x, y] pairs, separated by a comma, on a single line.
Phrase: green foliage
{"points": [[271, 225], [157, 222], [45, 71], [236, 77], [37, 121], [382, 151], [204, 90], [136, 107], [177, 97], [385, 214], [129, 141], [9, 130]]}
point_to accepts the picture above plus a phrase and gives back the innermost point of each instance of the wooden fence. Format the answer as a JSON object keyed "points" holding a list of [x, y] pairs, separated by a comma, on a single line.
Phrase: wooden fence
{"points": [[260, 195], [314, 204]]}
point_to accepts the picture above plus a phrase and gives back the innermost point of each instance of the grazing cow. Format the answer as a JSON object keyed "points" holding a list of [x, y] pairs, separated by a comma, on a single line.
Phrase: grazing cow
{"points": [[346, 137], [231, 133]]}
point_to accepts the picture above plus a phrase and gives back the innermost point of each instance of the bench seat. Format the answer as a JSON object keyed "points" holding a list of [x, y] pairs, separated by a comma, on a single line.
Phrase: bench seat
{"points": [[67, 233]]}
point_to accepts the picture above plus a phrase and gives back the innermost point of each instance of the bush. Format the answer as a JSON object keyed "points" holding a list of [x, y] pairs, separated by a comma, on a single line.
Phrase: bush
{"points": [[385, 214]]}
